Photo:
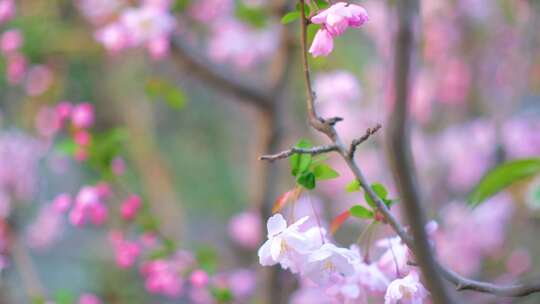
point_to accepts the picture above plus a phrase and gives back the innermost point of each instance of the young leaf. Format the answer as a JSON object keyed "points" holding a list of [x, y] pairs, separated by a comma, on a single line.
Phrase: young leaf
{"points": [[381, 192], [361, 212], [300, 162], [290, 17], [324, 171], [353, 186], [307, 180], [503, 176], [338, 221], [66, 147]]}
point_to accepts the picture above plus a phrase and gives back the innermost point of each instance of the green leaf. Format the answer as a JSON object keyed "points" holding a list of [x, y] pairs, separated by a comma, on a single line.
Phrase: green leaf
{"points": [[300, 162], [501, 177], [207, 259], [322, 4], [66, 147], [254, 16], [290, 17], [180, 5], [64, 297], [353, 186], [307, 180], [169, 93], [222, 295], [361, 212], [381, 192], [324, 171]]}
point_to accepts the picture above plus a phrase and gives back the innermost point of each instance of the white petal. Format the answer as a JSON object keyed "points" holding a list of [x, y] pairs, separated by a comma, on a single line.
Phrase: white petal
{"points": [[275, 225], [275, 248]]}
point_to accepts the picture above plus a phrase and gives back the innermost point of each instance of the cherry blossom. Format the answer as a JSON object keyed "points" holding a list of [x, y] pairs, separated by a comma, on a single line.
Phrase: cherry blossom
{"points": [[407, 290]]}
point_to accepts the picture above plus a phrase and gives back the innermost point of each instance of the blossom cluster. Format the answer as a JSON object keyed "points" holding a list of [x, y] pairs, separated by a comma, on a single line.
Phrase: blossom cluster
{"points": [[148, 25], [334, 22], [340, 275], [35, 79]]}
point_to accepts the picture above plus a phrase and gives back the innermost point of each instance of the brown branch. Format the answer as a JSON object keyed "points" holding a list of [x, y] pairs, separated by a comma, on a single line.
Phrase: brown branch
{"points": [[462, 283], [355, 143], [400, 154], [295, 150], [219, 78]]}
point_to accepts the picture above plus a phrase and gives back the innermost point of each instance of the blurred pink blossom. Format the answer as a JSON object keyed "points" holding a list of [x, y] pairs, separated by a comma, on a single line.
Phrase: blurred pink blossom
{"points": [[337, 86], [38, 79], [126, 252], [7, 10], [16, 68], [88, 207], [199, 278], [97, 11], [245, 229], [62, 202], [10, 41], [130, 207], [82, 115], [88, 298], [47, 122], [45, 229], [162, 278]]}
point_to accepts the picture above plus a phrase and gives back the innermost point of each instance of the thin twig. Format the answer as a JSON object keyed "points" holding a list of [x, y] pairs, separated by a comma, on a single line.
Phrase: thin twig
{"points": [[296, 150], [355, 143]]}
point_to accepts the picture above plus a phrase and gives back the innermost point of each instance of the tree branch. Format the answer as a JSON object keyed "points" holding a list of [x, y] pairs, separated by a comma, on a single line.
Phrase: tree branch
{"points": [[295, 150], [327, 127], [219, 78], [355, 143], [400, 154]]}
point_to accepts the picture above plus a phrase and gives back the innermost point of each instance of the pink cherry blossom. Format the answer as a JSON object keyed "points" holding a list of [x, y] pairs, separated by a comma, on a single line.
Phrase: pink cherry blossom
{"points": [[146, 23], [88, 207], [82, 115], [47, 122], [97, 11], [39, 78], [326, 261], [45, 229], [408, 290], [338, 17], [244, 229], [323, 43], [10, 41]]}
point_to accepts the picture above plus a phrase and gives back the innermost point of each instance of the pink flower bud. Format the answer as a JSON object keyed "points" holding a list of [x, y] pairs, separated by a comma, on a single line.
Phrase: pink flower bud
{"points": [[98, 214], [82, 138], [7, 10], [63, 109], [82, 115], [88, 298], [16, 68], [130, 207]]}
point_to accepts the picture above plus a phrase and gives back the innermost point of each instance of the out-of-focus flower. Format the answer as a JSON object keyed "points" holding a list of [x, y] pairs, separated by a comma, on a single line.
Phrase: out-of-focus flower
{"points": [[518, 262], [88, 206], [46, 228], [209, 10], [97, 11], [521, 137], [118, 166], [162, 278], [47, 122], [114, 37], [16, 68], [338, 86], [408, 290], [249, 45], [10, 41], [126, 252], [7, 10], [130, 207], [244, 229], [62, 202], [82, 115], [88, 298], [146, 23], [38, 80], [394, 259], [199, 278]]}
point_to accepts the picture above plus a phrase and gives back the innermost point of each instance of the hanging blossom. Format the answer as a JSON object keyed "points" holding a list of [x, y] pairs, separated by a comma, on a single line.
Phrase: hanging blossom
{"points": [[334, 22], [408, 290], [333, 274]]}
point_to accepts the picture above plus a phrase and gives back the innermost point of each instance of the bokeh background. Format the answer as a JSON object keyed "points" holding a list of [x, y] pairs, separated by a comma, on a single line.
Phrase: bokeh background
{"points": [[191, 149]]}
